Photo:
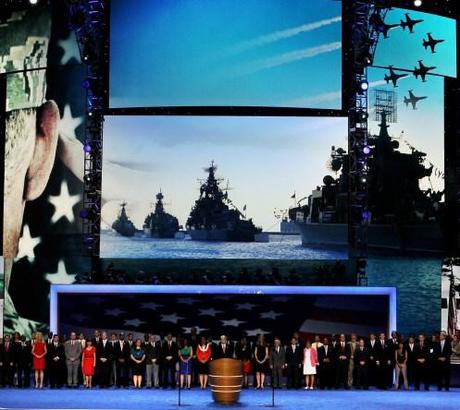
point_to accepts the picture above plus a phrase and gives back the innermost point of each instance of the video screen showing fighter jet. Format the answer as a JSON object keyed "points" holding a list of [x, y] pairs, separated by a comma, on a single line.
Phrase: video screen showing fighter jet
{"points": [[271, 53], [421, 44], [406, 81]]}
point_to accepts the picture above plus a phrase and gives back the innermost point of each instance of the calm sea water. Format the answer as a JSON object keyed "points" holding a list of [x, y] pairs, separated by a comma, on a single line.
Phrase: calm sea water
{"points": [[286, 247], [418, 284]]}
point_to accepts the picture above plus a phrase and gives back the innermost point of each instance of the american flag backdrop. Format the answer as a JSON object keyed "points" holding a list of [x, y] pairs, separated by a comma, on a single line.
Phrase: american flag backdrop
{"points": [[216, 314], [51, 244]]}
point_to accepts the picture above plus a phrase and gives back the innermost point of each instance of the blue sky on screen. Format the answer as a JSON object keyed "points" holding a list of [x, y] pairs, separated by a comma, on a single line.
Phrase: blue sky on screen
{"points": [[403, 49], [265, 160], [225, 52]]}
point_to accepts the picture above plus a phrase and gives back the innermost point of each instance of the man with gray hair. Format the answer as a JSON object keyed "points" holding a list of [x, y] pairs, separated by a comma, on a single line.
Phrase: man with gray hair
{"points": [[152, 360], [442, 353]]}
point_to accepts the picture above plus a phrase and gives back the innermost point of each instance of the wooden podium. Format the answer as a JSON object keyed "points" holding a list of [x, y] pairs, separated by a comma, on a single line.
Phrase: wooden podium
{"points": [[226, 380]]}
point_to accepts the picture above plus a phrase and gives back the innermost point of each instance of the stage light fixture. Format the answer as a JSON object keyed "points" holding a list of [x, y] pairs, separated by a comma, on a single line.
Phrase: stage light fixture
{"points": [[364, 85], [361, 116], [366, 215], [367, 150], [418, 3], [33, 2], [87, 148], [363, 180]]}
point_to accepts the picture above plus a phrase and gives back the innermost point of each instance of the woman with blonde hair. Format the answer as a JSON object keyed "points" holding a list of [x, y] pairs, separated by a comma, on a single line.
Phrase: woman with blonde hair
{"points": [[39, 352]]}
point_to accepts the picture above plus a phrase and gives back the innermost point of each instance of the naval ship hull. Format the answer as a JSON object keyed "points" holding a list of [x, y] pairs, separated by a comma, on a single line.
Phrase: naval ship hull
{"points": [[220, 235], [159, 235], [411, 238]]}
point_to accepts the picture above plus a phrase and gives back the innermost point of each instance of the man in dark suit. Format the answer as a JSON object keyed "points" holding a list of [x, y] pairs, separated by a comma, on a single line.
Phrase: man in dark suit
{"points": [[56, 360], [442, 353], [277, 362], [326, 365], [122, 355], [293, 364], [342, 357], [361, 357], [7, 361], [410, 348], [23, 360], [384, 363], [169, 358], [113, 359], [372, 348], [104, 360], [422, 354], [152, 360], [223, 349]]}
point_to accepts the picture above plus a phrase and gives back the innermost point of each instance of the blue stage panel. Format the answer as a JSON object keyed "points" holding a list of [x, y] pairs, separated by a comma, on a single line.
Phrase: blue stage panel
{"points": [[250, 399]]}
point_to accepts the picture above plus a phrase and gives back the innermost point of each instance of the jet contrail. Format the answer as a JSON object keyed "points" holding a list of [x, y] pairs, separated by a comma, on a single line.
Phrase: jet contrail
{"points": [[326, 97], [289, 57], [282, 34]]}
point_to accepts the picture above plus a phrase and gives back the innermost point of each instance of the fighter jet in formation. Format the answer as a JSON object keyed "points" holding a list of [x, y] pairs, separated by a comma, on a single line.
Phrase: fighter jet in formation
{"points": [[413, 100], [385, 28], [393, 77], [431, 42], [409, 23], [422, 70]]}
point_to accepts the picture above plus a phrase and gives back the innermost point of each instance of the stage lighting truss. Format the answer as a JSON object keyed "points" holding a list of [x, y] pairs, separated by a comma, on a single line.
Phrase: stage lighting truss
{"points": [[364, 36], [88, 18]]}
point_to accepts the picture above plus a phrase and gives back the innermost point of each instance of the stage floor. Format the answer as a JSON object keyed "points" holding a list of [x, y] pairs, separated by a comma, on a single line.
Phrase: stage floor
{"points": [[166, 399]]}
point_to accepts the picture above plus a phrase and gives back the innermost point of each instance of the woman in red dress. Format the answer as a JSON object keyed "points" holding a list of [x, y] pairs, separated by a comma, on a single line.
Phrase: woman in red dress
{"points": [[38, 354], [203, 356], [88, 363]]}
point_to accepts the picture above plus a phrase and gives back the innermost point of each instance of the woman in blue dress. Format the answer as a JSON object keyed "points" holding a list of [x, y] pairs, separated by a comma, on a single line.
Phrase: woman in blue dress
{"points": [[137, 363], [185, 364]]}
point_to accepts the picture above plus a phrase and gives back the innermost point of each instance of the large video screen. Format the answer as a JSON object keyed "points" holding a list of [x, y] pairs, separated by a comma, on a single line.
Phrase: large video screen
{"points": [[271, 53], [211, 187], [272, 311]]}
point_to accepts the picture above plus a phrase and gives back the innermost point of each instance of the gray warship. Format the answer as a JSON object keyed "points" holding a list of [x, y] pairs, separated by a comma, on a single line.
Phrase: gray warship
{"points": [[401, 216]]}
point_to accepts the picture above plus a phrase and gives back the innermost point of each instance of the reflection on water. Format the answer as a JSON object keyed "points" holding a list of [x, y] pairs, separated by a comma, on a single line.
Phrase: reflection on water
{"points": [[285, 247], [418, 283]]}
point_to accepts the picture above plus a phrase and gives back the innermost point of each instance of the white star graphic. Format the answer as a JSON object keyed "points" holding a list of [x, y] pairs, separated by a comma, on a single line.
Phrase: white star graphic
{"points": [[233, 322], [170, 318], [186, 301], [79, 317], [61, 276], [63, 204], [199, 329], [209, 312], [27, 244], [251, 333], [114, 312], [245, 306], [150, 305], [70, 48], [68, 123], [133, 322], [270, 315]]}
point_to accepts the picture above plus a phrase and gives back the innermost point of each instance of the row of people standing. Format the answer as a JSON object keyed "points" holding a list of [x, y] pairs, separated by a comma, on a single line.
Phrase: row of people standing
{"points": [[328, 363]]}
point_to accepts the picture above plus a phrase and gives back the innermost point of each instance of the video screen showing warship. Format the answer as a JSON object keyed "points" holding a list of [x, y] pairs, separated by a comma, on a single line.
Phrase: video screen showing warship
{"points": [[212, 187]]}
